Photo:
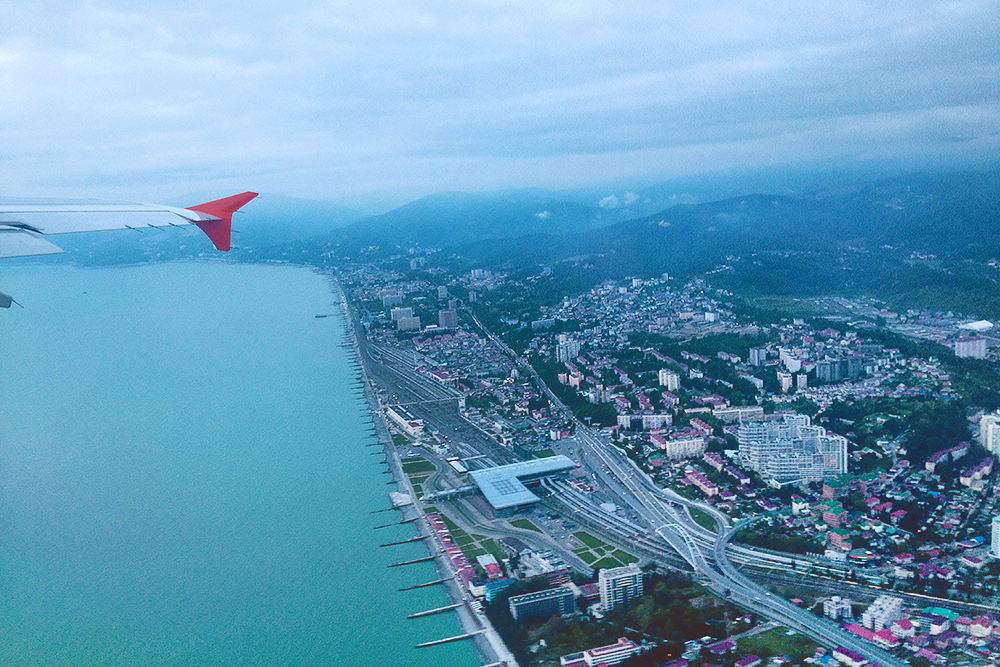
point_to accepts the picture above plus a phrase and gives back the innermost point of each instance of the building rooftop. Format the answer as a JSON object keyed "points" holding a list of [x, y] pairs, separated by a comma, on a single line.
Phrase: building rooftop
{"points": [[502, 486]]}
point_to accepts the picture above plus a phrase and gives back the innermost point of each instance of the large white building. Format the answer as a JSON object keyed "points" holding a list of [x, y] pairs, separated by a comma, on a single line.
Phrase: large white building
{"points": [[989, 433], [882, 612], [792, 449], [995, 544], [618, 585], [971, 347]]}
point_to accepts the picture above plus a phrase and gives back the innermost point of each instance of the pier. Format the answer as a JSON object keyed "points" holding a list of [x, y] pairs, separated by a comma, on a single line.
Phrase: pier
{"points": [[418, 538], [415, 560], [396, 523], [447, 607], [449, 639], [423, 585]]}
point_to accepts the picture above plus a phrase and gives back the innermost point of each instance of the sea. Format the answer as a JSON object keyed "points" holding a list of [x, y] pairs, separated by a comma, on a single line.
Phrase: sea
{"points": [[184, 478]]}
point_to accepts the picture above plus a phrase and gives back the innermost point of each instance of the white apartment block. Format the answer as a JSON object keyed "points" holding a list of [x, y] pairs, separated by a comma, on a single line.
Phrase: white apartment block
{"points": [[792, 450], [995, 544], [838, 608], [682, 448], [971, 347], [989, 433], [740, 413], [618, 585], [669, 379], [882, 612]]}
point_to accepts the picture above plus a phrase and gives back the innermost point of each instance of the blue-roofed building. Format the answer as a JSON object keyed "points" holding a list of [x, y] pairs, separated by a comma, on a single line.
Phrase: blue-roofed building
{"points": [[506, 487]]}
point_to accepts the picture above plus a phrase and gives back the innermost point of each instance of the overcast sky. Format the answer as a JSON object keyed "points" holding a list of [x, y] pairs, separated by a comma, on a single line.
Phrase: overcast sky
{"points": [[368, 102]]}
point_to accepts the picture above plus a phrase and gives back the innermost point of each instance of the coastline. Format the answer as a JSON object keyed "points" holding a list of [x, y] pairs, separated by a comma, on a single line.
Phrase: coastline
{"points": [[489, 646]]}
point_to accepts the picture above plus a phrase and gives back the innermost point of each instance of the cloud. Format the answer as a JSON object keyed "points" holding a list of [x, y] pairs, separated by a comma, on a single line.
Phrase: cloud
{"points": [[341, 99]]}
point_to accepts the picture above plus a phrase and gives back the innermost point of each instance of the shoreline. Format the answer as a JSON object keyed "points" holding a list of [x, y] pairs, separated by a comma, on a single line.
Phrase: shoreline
{"points": [[490, 648]]}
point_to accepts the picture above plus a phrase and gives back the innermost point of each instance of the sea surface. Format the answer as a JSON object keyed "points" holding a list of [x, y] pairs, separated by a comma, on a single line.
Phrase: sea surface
{"points": [[184, 481]]}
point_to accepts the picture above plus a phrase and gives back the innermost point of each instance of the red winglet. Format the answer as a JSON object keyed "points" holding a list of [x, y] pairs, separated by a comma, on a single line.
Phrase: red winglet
{"points": [[220, 230]]}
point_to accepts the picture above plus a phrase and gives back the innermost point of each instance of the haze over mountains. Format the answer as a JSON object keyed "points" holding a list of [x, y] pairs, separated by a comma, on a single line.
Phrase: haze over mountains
{"points": [[924, 239]]}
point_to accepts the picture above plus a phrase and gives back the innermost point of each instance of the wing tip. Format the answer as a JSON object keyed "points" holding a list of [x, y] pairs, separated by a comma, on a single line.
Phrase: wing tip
{"points": [[220, 230]]}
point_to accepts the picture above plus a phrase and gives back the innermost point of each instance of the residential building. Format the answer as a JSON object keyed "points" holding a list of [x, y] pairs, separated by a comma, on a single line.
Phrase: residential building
{"points": [[679, 448], [785, 380], [838, 609], [448, 319], [397, 313], [995, 543], [619, 585], [612, 654], [669, 379], [882, 612], [758, 356], [543, 604], [567, 351], [791, 449], [743, 413], [971, 347], [839, 369], [408, 323], [989, 433]]}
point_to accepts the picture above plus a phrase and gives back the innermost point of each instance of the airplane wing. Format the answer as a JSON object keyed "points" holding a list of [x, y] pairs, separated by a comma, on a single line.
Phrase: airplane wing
{"points": [[24, 224]]}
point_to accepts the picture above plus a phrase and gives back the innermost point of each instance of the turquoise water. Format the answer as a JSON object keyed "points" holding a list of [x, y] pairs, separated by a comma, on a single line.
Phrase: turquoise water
{"points": [[183, 479]]}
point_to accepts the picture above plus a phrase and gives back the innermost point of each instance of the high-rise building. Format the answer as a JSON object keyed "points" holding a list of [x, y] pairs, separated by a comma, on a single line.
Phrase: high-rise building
{"points": [[758, 356], [792, 449], [442, 292], [448, 319], [397, 313], [619, 585], [785, 380], [972, 347], [669, 379], [391, 299], [995, 544], [568, 351], [408, 323], [989, 433]]}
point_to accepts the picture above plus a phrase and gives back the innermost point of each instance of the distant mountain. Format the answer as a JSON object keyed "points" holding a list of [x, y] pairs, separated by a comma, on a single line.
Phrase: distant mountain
{"points": [[274, 218], [454, 218], [926, 237]]}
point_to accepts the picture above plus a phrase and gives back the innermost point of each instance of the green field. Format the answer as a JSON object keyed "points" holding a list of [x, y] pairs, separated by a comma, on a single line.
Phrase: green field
{"points": [[525, 524], [703, 518], [418, 465], [589, 539], [599, 554], [778, 642], [544, 453]]}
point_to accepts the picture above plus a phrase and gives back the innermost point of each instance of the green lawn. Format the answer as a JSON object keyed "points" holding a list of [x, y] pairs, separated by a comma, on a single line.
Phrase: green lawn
{"points": [[586, 555], [418, 466], [778, 642], [544, 453], [606, 563], [525, 524], [625, 558], [703, 518], [589, 539]]}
